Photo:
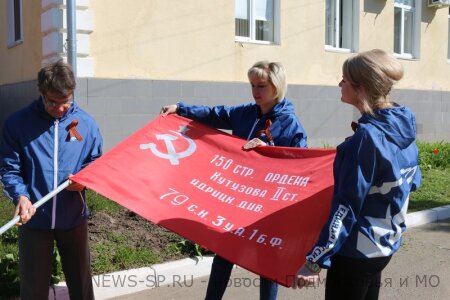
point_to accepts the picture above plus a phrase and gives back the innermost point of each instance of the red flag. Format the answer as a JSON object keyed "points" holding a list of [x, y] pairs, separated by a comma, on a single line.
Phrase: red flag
{"points": [[261, 209]]}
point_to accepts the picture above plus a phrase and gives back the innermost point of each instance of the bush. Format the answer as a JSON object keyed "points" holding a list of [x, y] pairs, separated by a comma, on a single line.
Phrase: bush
{"points": [[192, 249], [9, 275], [434, 155], [9, 264]]}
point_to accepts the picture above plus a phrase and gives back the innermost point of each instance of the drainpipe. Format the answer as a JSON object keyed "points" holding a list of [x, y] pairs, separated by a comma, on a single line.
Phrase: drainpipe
{"points": [[72, 35]]}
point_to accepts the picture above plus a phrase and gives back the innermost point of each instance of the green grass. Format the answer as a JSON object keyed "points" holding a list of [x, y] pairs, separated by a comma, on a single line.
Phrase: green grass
{"points": [[98, 203], [120, 256], [434, 161], [6, 209], [434, 155], [433, 192], [116, 253]]}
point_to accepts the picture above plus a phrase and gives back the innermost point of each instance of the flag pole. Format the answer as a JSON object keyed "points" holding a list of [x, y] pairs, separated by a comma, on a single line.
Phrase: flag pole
{"points": [[47, 197]]}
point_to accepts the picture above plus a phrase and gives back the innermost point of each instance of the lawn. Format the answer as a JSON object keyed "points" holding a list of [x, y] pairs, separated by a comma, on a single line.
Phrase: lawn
{"points": [[434, 161]]}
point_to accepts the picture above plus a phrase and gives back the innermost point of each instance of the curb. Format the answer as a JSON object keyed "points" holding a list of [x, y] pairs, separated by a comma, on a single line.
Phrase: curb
{"points": [[174, 273], [428, 216], [184, 271]]}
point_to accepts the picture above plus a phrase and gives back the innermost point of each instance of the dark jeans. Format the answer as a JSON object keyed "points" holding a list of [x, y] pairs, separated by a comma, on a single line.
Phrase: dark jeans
{"points": [[353, 278], [220, 276], [36, 257]]}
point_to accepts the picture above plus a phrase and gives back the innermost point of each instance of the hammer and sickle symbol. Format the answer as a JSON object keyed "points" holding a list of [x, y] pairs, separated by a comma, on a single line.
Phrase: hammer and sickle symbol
{"points": [[172, 155]]}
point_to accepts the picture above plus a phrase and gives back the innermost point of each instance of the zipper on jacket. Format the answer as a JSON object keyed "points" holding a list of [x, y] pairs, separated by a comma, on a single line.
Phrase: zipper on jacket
{"points": [[55, 170], [253, 128]]}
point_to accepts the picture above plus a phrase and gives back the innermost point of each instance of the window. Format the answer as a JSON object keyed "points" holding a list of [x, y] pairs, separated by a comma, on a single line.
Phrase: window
{"points": [[342, 21], [257, 21], [14, 17], [406, 28]]}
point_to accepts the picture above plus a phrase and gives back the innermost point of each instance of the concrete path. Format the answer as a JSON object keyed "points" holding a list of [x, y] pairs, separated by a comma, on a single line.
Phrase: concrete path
{"points": [[420, 270]]}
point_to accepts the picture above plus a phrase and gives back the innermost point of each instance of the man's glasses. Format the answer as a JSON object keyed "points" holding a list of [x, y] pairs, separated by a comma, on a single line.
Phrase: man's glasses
{"points": [[54, 104]]}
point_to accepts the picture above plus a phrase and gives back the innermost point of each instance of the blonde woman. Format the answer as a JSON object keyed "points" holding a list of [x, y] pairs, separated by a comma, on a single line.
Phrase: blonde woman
{"points": [[374, 172], [269, 120]]}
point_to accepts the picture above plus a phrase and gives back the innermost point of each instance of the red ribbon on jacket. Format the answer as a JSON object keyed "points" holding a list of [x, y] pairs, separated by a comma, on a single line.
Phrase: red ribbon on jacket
{"points": [[266, 131], [354, 126], [73, 132]]}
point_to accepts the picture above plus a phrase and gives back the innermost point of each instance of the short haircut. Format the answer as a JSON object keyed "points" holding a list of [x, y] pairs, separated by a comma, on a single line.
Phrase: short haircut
{"points": [[273, 72], [57, 78]]}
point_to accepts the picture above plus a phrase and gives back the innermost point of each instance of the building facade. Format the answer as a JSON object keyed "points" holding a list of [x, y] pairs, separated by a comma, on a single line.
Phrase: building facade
{"points": [[135, 56]]}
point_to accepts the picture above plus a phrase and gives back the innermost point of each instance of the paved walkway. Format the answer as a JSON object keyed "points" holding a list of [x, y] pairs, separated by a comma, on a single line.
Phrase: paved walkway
{"points": [[420, 270]]}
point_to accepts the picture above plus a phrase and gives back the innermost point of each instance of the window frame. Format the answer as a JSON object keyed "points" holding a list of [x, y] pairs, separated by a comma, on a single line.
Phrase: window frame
{"points": [[252, 21], [14, 19], [352, 28], [415, 44]]}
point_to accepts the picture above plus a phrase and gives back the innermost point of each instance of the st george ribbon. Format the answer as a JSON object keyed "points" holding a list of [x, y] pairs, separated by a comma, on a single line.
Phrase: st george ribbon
{"points": [[261, 209]]}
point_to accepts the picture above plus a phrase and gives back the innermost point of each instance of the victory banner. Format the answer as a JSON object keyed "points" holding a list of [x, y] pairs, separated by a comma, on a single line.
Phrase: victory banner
{"points": [[262, 209]]}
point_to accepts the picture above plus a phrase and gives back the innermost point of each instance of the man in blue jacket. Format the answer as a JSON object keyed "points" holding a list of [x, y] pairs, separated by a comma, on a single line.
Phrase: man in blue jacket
{"points": [[42, 145]]}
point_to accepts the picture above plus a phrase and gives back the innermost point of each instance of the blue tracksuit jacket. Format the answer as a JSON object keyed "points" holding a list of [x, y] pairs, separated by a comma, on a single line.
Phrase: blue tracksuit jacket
{"points": [[374, 172], [36, 155], [246, 120]]}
